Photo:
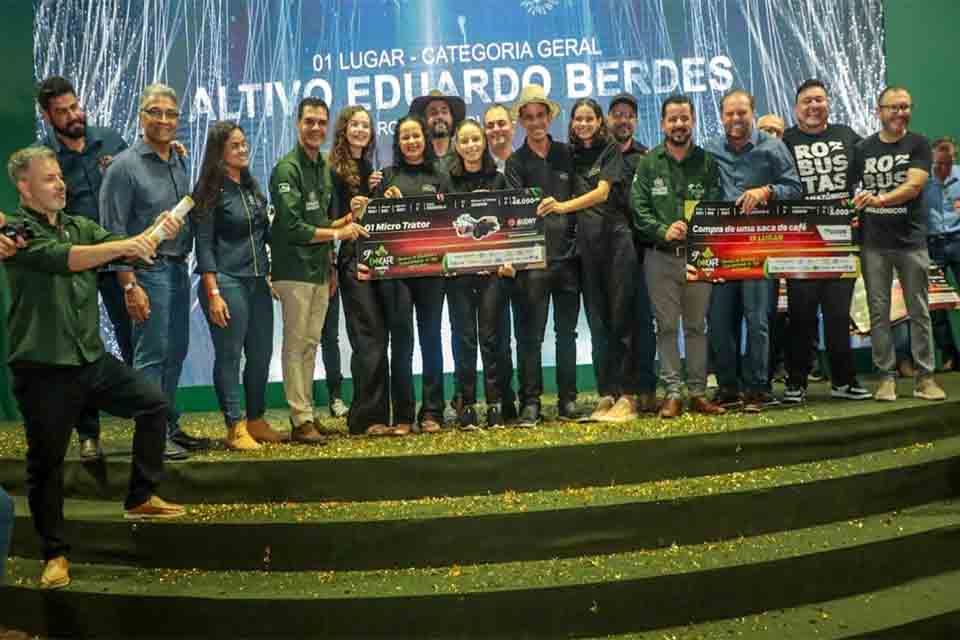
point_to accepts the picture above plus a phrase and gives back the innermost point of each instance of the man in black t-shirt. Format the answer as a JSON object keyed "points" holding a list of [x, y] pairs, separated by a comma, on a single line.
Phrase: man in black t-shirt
{"points": [[823, 152], [546, 164], [894, 166]]}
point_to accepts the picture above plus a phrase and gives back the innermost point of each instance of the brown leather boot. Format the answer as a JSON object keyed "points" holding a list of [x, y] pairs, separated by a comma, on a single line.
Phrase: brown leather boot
{"points": [[699, 404], [56, 573], [261, 431], [239, 439], [671, 408], [307, 433]]}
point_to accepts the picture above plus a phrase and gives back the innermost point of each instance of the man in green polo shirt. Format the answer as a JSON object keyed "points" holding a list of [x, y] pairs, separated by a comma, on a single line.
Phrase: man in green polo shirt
{"points": [[56, 352], [675, 171], [300, 239]]}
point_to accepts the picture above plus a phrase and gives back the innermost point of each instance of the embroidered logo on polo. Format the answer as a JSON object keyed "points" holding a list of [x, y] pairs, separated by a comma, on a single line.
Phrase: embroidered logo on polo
{"points": [[283, 187], [695, 191], [659, 187], [312, 202], [823, 167]]}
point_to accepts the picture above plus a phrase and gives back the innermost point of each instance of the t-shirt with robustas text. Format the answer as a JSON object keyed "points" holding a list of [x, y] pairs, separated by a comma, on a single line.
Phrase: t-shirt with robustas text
{"points": [[824, 160], [882, 167]]}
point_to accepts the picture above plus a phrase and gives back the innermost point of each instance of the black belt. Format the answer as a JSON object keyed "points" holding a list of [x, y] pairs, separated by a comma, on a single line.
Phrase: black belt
{"points": [[175, 259], [678, 250]]}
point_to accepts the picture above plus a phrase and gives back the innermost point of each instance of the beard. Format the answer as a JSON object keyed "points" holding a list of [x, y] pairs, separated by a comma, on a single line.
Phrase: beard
{"points": [[440, 130], [680, 138], [75, 130], [622, 134]]}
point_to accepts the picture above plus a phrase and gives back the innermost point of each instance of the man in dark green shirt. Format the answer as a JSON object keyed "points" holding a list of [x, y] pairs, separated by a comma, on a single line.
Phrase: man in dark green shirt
{"points": [[56, 351], [301, 190], [675, 171]]}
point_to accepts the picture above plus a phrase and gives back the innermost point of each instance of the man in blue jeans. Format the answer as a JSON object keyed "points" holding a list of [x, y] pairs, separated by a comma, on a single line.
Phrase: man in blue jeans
{"points": [[141, 182], [755, 168]]}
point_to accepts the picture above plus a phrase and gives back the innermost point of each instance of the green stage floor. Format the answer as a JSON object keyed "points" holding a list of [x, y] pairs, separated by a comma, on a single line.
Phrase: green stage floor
{"points": [[117, 433]]}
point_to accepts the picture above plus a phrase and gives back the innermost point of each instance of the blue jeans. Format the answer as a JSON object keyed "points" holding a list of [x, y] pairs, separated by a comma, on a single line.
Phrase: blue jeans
{"points": [[160, 344], [731, 301], [6, 529], [249, 332]]}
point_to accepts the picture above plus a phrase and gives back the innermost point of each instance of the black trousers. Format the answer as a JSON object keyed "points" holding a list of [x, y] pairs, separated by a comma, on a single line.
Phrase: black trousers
{"points": [[330, 348], [51, 399], [509, 292], [560, 281], [610, 272], [833, 296], [88, 426], [476, 312], [427, 295], [379, 316]]}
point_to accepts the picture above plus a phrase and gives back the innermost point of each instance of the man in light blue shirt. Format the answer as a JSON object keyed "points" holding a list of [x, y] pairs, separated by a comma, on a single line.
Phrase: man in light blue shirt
{"points": [[141, 182], [942, 197], [755, 168]]}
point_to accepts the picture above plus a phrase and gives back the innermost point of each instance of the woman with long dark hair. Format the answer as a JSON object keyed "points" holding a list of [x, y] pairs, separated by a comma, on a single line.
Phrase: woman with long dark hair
{"points": [[476, 301], [608, 258], [231, 250], [375, 319], [414, 173]]}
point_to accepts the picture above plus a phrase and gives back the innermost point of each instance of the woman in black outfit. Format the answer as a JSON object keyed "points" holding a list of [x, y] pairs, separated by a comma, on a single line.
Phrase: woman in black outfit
{"points": [[476, 301], [378, 313], [415, 173], [608, 258]]}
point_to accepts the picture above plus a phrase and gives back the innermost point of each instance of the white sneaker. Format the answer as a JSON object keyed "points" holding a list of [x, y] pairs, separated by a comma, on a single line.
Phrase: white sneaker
{"points": [[712, 381], [338, 408], [928, 389]]}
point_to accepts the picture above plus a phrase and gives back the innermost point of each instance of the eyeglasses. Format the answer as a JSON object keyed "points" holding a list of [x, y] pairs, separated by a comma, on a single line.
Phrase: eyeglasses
{"points": [[897, 107], [157, 114]]}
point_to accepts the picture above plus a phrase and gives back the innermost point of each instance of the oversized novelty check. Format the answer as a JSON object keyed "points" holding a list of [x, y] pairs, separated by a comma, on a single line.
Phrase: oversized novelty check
{"points": [[803, 239], [453, 233]]}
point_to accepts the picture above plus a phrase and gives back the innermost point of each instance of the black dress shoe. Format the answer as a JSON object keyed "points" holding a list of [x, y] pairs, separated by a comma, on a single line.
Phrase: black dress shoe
{"points": [[508, 412], [569, 411], [494, 418], [529, 416], [90, 449], [189, 442]]}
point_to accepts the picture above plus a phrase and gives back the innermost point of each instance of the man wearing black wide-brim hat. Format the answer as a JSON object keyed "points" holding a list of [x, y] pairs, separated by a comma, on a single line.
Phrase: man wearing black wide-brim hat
{"points": [[442, 113]]}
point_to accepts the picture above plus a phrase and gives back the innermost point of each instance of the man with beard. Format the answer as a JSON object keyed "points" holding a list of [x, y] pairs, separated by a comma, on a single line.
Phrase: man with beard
{"points": [[442, 115], [942, 195], [755, 168], [675, 171], [58, 360], [84, 153], [823, 152], [547, 165], [893, 165], [622, 124]]}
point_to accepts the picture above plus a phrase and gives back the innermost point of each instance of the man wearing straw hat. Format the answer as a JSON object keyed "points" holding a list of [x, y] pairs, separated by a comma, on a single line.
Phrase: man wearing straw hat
{"points": [[547, 165]]}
